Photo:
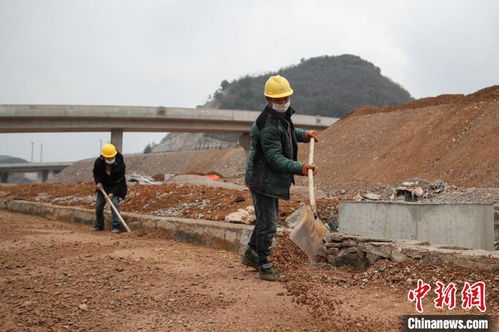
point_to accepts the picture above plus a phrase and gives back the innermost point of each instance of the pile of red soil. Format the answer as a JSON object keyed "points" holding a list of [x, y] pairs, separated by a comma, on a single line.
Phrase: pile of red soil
{"points": [[489, 94], [451, 137], [187, 201]]}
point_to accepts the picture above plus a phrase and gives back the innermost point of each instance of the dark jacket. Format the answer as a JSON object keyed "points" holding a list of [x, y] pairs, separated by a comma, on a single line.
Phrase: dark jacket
{"points": [[273, 153], [114, 183]]}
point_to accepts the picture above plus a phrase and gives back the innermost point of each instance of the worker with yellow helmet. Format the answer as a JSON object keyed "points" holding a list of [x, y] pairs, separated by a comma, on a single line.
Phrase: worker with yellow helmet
{"points": [[109, 174], [272, 164]]}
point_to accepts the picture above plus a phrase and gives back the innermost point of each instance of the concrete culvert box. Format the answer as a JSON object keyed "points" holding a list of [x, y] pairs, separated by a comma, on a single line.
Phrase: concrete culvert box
{"points": [[454, 224]]}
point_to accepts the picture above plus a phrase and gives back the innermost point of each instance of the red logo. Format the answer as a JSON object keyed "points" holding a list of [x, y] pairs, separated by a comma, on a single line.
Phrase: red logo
{"points": [[446, 296], [474, 296], [418, 294], [471, 295]]}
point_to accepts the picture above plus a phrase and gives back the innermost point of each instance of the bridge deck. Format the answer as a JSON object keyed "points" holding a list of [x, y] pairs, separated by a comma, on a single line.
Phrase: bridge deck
{"points": [[88, 118]]}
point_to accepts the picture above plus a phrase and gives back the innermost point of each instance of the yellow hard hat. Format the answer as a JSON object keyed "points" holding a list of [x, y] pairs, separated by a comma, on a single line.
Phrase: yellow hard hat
{"points": [[277, 87], [108, 151]]}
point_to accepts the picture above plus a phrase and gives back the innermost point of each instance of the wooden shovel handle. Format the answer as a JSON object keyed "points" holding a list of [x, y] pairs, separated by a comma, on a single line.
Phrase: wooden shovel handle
{"points": [[115, 210], [311, 193]]}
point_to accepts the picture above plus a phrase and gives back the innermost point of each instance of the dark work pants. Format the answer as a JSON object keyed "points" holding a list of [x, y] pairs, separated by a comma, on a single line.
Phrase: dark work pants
{"points": [[267, 212], [99, 211]]}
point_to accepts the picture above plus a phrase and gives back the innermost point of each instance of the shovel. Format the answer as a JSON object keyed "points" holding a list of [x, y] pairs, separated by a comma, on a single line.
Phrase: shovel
{"points": [[309, 231], [115, 210]]}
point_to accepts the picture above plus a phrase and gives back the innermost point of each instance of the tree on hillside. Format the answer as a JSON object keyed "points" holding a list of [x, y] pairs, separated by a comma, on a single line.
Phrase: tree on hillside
{"points": [[149, 148], [326, 85]]}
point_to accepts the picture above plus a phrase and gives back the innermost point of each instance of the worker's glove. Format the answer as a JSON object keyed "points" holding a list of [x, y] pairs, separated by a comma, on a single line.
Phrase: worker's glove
{"points": [[312, 133], [98, 186], [110, 195], [306, 167]]}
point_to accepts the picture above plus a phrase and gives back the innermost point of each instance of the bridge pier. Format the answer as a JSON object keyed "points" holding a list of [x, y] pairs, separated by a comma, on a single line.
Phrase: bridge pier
{"points": [[4, 177], [43, 175], [117, 139]]}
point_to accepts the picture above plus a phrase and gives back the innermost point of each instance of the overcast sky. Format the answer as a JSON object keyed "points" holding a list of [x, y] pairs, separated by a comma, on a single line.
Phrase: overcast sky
{"points": [[176, 53]]}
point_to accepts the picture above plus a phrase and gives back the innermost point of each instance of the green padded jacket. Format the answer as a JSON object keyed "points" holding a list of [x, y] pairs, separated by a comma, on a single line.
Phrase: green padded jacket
{"points": [[272, 158]]}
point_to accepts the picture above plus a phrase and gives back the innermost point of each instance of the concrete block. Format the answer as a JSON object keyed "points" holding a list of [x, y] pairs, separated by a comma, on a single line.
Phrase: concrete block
{"points": [[455, 224], [380, 249], [397, 255], [377, 219], [414, 252]]}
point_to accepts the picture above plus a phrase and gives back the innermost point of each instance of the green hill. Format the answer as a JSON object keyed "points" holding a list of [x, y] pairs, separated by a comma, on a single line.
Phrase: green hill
{"points": [[11, 160], [326, 85]]}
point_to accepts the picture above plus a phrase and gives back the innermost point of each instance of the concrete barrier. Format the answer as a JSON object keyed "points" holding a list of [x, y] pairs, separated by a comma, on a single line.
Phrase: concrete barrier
{"points": [[215, 234], [339, 248], [456, 224]]}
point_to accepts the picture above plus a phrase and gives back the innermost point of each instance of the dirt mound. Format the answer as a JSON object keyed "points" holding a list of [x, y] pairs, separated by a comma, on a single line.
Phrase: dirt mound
{"points": [[451, 137], [226, 162], [489, 94]]}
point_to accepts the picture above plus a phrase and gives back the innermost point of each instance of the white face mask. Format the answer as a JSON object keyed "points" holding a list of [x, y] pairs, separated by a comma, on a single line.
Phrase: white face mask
{"points": [[109, 162], [281, 108]]}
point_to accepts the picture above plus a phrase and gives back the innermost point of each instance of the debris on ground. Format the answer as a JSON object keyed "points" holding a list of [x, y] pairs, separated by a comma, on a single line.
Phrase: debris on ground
{"points": [[242, 216], [371, 196], [205, 181], [141, 179], [210, 202], [414, 189]]}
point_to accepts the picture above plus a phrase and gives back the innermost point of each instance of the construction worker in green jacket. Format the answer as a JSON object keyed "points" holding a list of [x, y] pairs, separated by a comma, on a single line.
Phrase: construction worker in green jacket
{"points": [[272, 164]]}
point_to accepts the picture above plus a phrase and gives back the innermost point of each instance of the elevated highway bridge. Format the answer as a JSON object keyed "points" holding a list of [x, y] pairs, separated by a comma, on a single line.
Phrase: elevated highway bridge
{"points": [[44, 170], [120, 119]]}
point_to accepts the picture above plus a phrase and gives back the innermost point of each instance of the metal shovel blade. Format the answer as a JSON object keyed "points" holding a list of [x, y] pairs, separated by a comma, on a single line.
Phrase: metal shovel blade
{"points": [[308, 233]]}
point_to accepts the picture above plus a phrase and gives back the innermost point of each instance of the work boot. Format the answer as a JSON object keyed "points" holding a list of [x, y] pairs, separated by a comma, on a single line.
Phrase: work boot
{"points": [[116, 230], [250, 259], [96, 229], [269, 273]]}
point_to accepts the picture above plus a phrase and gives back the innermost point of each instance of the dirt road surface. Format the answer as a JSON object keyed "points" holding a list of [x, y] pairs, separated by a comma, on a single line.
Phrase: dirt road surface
{"points": [[57, 276]]}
